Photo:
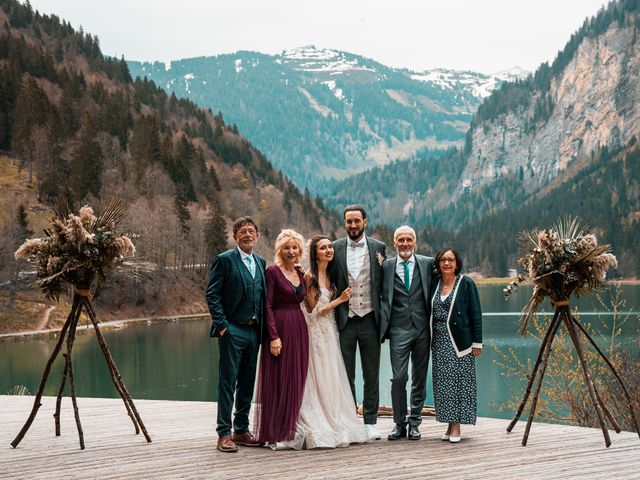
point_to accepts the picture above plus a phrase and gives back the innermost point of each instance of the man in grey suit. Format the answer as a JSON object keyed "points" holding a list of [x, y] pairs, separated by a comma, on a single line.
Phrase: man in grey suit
{"points": [[358, 259], [404, 320], [236, 296]]}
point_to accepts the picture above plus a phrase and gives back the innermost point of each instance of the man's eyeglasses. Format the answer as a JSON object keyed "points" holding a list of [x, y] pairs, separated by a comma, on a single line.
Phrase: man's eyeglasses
{"points": [[246, 231]]}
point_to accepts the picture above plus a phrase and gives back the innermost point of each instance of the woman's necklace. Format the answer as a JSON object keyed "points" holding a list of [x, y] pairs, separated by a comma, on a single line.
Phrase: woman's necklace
{"points": [[447, 287], [291, 275]]}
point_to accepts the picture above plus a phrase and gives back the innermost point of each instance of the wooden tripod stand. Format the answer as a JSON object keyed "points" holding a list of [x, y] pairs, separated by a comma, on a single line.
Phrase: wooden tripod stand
{"points": [[563, 315], [81, 300]]}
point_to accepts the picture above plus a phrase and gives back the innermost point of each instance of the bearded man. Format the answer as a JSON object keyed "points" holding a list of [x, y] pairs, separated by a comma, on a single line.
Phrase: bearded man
{"points": [[358, 265]]}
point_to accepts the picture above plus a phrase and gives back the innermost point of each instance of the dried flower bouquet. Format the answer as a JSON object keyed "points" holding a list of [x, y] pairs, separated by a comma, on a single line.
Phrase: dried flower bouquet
{"points": [[562, 261], [78, 250]]}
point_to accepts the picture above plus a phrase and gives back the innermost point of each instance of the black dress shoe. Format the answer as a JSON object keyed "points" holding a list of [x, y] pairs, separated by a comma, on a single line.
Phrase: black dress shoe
{"points": [[398, 432], [414, 433]]}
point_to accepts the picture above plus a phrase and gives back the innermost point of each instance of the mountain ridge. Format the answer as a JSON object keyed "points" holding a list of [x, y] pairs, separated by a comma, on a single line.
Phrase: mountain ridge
{"points": [[338, 112]]}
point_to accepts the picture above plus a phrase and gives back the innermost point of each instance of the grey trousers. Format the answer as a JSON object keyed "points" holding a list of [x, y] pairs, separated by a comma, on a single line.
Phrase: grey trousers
{"points": [[363, 333], [405, 343]]}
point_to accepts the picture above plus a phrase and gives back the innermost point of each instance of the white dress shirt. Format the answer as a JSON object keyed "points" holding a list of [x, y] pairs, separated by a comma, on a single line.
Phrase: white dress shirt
{"points": [[400, 267], [356, 255], [250, 264]]}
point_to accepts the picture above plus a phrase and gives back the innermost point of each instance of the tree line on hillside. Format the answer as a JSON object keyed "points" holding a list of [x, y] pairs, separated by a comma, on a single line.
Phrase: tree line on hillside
{"points": [[84, 130], [605, 195]]}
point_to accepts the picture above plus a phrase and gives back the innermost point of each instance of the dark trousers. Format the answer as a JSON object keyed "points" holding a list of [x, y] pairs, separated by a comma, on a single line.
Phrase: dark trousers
{"points": [[405, 343], [362, 332], [238, 349]]}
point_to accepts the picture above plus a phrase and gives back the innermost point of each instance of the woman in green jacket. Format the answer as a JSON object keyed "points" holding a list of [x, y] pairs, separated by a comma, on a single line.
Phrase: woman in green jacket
{"points": [[456, 333]]}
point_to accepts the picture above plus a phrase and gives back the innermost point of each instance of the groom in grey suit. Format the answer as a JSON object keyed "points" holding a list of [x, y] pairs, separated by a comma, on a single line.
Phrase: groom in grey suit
{"points": [[358, 259], [404, 320]]}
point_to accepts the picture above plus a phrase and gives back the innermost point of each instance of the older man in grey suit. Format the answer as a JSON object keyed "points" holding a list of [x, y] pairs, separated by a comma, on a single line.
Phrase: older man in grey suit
{"points": [[404, 320]]}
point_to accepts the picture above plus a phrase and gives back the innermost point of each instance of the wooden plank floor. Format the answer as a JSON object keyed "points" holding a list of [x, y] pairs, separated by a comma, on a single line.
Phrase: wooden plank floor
{"points": [[184, 439]]}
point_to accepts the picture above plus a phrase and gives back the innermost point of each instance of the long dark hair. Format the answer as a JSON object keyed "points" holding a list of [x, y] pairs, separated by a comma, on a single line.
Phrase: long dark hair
{"points": [[313, 268]]}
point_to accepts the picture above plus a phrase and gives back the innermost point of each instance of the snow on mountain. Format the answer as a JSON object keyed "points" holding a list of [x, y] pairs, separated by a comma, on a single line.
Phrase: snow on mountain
{"points": [[479, 85], [312, 59]]}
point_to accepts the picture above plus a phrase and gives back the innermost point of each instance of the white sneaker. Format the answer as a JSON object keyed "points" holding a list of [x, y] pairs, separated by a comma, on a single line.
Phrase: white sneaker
{"points": [[372, 431]]}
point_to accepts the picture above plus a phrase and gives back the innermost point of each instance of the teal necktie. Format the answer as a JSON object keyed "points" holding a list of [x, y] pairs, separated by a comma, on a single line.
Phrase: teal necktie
{"points": [[407, 278], [252, 267]]}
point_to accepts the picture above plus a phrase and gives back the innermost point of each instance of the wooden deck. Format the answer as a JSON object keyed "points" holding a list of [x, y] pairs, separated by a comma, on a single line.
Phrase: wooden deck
{"points": [[184, 438]]}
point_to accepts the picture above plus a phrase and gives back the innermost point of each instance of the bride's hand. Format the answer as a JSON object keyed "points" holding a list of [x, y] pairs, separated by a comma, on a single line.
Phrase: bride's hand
{"points": [[345, 295]]}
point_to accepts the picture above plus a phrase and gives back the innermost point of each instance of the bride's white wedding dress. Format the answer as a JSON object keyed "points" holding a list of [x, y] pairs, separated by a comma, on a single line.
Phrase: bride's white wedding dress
{"points": [[328, 415]]}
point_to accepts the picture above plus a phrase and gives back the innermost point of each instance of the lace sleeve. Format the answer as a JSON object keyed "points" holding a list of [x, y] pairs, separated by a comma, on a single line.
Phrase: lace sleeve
{"points": [[312, 318]]}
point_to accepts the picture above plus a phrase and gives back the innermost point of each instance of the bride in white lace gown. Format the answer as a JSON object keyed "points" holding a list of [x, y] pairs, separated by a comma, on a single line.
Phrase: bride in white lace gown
{"points": [[328, 416]]}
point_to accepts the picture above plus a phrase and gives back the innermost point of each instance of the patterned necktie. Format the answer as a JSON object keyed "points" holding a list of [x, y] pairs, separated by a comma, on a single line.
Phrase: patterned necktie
{"points": [[251, 265], [407, 278]]}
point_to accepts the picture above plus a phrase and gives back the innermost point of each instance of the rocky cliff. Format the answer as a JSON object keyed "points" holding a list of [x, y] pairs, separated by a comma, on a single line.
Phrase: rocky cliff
{"points": [[593, 102]]}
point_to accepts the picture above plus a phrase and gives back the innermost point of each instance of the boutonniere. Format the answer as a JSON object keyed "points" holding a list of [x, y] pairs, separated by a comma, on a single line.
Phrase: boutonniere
{"points": [[380, 258]]}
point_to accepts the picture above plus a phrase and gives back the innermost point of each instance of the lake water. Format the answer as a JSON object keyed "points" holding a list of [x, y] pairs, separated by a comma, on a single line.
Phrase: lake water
{"points": [[178, 360]]}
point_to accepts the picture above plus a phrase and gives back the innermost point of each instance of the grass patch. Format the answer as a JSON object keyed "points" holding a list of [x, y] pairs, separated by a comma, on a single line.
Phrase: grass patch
{"points": [[493, 280]]}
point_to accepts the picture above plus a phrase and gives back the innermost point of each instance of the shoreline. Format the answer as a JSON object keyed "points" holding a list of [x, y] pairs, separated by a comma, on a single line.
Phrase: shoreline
{"points": [[104, 326], [507, 280]]}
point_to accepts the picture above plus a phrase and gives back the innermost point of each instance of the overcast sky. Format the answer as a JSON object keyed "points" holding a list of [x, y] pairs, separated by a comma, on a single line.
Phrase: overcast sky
{"points": [[481, 35]]}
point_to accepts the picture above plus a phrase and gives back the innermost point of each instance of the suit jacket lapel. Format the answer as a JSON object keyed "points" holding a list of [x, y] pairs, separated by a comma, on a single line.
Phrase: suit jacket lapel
{"points": [[389, 277], [341, 256], [425, 276], [372, 261], [240, 265], [261, 271]]}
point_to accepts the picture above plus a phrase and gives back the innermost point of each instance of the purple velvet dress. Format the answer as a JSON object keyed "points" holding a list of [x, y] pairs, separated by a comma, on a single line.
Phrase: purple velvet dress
{"points": [[282, 378]]}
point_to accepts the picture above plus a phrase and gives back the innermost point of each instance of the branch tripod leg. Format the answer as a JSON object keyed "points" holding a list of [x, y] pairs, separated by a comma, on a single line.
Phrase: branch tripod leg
{"points": [[553, 327], [569, 322], [115, 374], [615, 373], [63, 382], [606, 411], [45, 375], [56, 415], [70, 340], [543, 368]]}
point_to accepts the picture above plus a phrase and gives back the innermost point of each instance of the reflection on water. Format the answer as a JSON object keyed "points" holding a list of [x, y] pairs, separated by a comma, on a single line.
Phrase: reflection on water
{"points": [[178, 361]]}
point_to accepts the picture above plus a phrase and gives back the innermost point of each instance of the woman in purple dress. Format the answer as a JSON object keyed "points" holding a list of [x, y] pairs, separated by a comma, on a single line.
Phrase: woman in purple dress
{"points": [[285, 351]]}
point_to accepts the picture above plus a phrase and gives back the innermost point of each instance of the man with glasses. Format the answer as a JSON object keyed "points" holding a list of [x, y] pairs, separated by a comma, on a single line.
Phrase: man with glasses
{"points": [[404, 320], [236, 296]]}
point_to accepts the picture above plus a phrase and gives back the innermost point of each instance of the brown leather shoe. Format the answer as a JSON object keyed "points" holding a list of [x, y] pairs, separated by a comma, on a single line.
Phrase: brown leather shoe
{"points": [[245, 439], [226, 444]]}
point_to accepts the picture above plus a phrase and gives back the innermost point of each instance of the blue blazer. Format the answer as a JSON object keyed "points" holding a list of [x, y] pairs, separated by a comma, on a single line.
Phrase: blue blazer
{"points": [[226, 288]]}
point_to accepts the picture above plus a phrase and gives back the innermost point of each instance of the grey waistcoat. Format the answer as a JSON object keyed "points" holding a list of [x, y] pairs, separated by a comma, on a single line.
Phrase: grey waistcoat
{"points": [[360, 302], [409, 308]]}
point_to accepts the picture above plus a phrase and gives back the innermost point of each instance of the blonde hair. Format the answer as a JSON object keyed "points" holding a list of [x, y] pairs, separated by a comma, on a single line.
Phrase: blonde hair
{"points": [[285, 236]]}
